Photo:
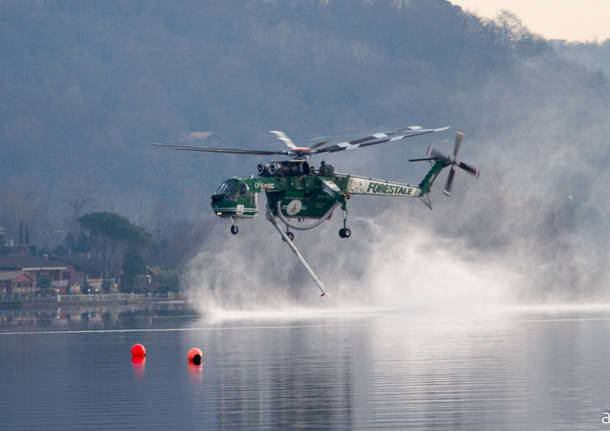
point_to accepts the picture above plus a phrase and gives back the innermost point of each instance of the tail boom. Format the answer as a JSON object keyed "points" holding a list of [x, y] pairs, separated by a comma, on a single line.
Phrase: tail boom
{"points": [[374, 187], [426, 183]]}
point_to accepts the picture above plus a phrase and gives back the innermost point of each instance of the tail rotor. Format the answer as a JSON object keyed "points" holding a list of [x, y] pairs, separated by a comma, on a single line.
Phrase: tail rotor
{"points": [[435, 155]]}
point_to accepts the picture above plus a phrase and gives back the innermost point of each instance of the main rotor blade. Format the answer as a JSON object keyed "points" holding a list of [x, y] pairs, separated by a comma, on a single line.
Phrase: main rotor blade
{"points": [[447, 189], [459, 135], [282, 137], [378, 138], [223, 150], [318, 145], [470, 169], [382, 135]]}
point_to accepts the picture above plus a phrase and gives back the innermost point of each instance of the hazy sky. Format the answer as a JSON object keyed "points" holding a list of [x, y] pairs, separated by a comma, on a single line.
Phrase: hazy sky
{"points": [[573, 20]]}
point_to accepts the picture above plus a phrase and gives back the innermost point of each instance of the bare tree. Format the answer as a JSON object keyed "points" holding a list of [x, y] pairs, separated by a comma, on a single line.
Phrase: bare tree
{"points": [[78, 195]]}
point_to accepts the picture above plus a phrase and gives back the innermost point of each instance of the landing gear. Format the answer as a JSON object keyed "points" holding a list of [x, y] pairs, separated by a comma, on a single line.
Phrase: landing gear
{"points": [[234, 229], [345, 232], [290, 235]]}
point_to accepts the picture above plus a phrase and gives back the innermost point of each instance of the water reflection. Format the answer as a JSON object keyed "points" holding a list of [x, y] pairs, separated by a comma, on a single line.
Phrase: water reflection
{"points": [[195, 372], [138, 364], [96, 317], [275, 377]]}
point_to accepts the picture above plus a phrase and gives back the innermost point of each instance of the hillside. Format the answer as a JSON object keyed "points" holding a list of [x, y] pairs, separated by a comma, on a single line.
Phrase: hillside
{"points": [[89, 85]]}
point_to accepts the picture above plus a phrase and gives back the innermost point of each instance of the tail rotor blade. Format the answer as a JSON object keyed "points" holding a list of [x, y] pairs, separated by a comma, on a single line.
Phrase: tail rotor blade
{"points": [[447, 189], [470, 169], [459, 136], [424, 159], [433, 153]]}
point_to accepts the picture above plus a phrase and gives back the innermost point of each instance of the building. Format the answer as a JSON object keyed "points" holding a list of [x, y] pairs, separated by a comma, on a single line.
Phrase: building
{"points": [[16, 282], [88, 271], [62, 275]]}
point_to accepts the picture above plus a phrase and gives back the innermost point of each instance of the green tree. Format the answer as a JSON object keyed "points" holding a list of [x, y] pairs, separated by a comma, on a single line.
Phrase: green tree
{"points": [[106, 286], [60, 250], [44, 250], [44, 282], [112, 236], [167, 280], [115, 227], [77, 245], [70, 242], [133, 266]]}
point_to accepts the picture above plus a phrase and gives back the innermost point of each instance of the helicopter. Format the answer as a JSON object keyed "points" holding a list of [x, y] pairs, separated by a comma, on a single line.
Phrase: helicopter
{"points": [[297, 192]]}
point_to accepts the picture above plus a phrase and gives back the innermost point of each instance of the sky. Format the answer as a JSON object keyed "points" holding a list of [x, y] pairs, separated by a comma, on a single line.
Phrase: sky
{"points": [[573, 20]]}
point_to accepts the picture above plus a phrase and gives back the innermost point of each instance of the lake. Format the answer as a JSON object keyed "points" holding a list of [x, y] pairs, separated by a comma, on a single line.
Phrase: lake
{"points": [[542, 368]]}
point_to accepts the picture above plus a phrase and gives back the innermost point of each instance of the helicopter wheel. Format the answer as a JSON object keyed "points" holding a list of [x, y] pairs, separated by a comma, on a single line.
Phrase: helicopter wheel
{"points": [[234, 229], [345, 232], [290, 236]]}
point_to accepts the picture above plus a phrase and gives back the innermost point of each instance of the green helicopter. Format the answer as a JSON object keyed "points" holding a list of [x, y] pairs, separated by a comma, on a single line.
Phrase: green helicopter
{"points": [[302, 196]]}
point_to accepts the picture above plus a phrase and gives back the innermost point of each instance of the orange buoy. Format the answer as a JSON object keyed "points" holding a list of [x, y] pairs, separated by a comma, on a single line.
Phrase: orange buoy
{"points": [[138, 351], [195, 356]]}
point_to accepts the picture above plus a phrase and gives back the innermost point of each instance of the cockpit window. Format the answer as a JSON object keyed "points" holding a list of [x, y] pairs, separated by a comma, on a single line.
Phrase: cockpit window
{"points": [[221, 188], [243, 189], [229, 188]]}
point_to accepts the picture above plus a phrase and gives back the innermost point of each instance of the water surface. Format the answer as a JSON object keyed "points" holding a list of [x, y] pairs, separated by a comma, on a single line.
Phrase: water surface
{"points": [[513, 369]]}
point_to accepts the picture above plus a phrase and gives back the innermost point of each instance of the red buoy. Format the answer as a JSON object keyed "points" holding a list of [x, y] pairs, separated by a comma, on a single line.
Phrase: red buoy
{"points": [[138, 351], [195, 356]]}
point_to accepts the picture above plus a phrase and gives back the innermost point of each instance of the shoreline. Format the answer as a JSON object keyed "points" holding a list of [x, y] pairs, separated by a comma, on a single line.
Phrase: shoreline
{"points": [[31, 303]]}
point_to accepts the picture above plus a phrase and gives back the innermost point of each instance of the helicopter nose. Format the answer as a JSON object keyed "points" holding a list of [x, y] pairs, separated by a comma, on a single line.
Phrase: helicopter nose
{"points": [[217, 198]]}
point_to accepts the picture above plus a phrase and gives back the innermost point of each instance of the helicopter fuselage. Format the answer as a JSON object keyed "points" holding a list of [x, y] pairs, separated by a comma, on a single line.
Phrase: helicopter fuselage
{"points": [[300, 191]]}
